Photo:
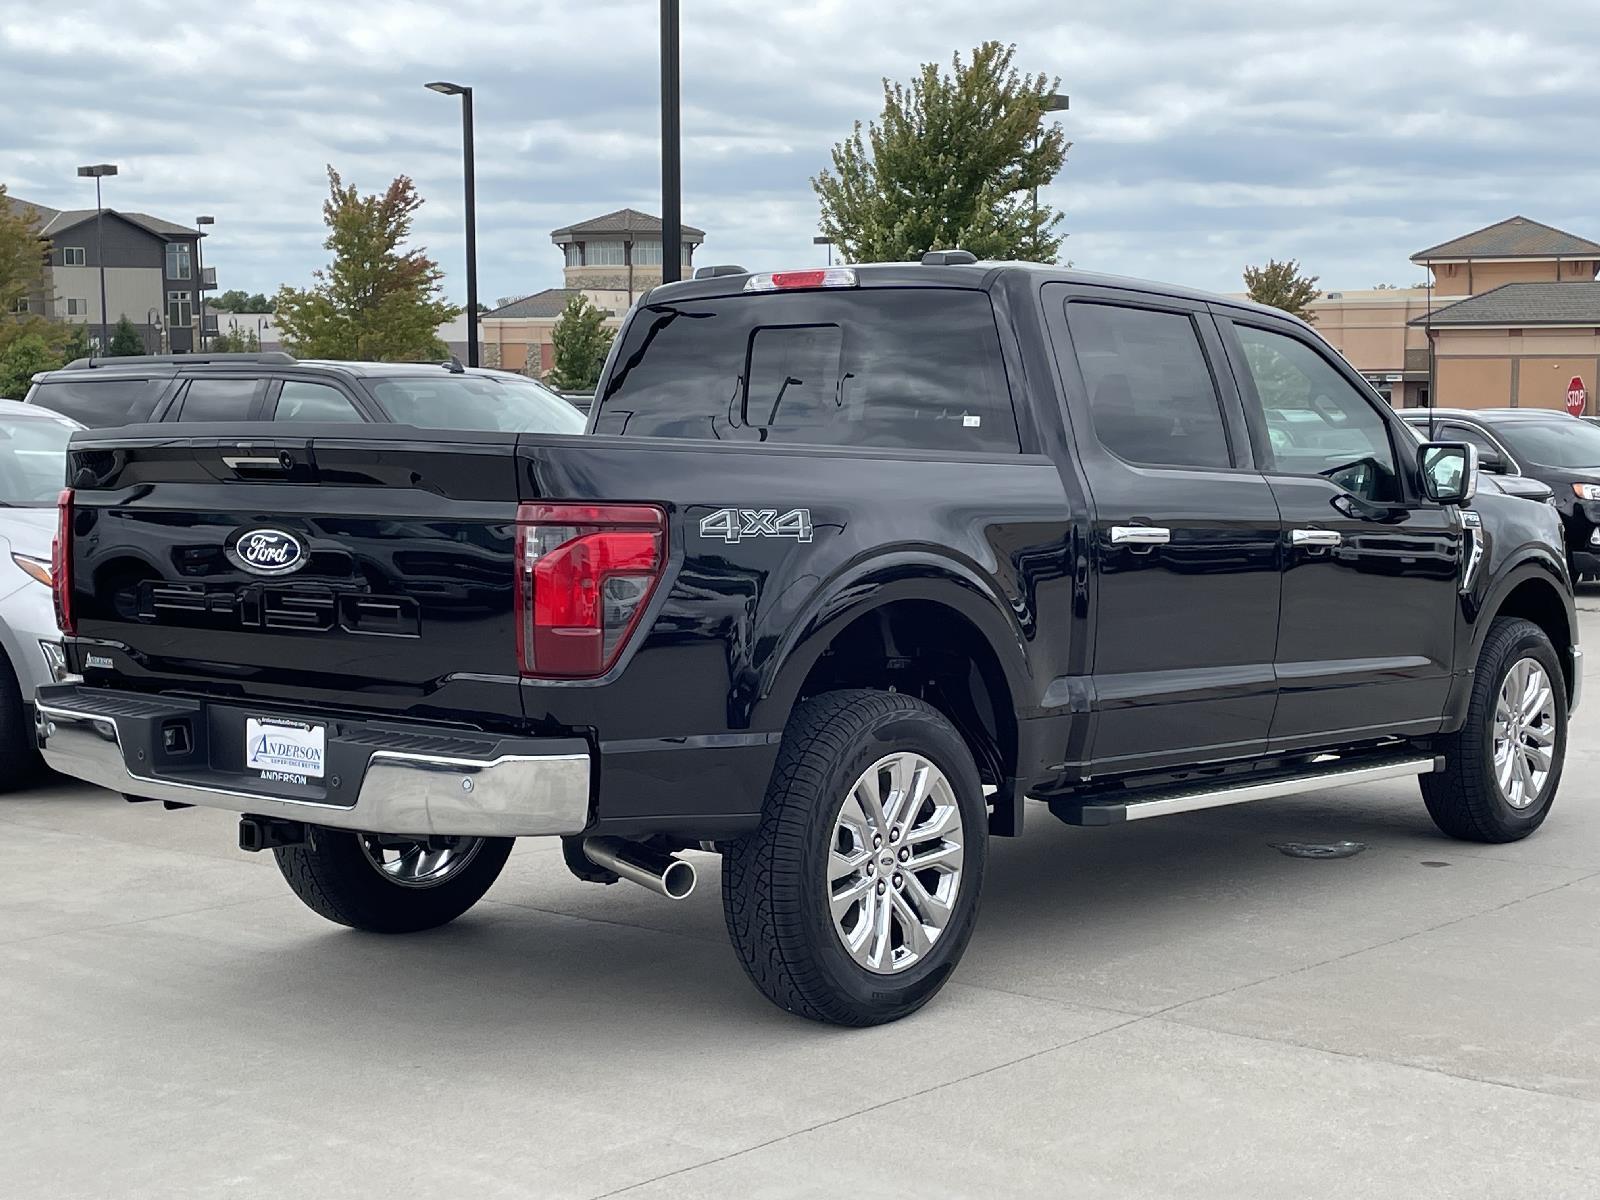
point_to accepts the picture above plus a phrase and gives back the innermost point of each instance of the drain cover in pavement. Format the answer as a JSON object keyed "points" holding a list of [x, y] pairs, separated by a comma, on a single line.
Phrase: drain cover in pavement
{"points": [[1319, 849]]}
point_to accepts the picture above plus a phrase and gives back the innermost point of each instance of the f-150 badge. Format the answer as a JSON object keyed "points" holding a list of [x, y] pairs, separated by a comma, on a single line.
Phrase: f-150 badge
{"points": [[733, 524]]}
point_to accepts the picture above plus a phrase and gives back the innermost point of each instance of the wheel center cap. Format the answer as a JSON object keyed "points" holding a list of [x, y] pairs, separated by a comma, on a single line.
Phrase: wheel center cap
{"points": [[886, 862]]}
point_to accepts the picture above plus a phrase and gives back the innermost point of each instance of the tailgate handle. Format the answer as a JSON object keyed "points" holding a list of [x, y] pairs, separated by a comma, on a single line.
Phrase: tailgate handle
{"points": [[282, 461]]}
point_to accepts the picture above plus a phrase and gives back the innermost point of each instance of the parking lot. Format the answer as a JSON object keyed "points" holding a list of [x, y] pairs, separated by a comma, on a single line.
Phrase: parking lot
{"points": [[1168, 1008]]}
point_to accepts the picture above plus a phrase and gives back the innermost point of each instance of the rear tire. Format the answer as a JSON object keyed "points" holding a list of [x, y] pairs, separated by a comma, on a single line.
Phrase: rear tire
{"points": [[1480, 797], [825, 903], [337, 875]]}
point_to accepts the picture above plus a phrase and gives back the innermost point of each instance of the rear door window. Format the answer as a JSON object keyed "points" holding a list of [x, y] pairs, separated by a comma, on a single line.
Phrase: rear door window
{"points": [[904, 368], [100, 402], [1151, 394], [219, 400]]}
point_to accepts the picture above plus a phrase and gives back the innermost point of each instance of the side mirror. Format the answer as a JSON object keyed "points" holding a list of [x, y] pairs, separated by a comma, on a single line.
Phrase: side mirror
{"points": [[1491, 462], [1449, 471]]}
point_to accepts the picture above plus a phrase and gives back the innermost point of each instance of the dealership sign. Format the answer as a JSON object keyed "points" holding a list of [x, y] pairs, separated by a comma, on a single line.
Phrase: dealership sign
{"points": [[1577, 398]]}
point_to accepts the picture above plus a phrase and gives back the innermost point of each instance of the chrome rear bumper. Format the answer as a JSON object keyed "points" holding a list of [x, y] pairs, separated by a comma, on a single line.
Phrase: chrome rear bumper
{"points": [[515, 787]]}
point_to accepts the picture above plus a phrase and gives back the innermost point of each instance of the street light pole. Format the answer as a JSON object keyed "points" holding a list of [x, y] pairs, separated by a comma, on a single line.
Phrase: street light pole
{"points": [[200, 278], [97, 172], [671, 164], [819, 240], [1054, 102], [469, 172]]}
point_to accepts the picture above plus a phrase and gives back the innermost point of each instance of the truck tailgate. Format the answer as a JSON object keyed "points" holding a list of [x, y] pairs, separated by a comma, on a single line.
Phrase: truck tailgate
{"points": [[374, 574]]}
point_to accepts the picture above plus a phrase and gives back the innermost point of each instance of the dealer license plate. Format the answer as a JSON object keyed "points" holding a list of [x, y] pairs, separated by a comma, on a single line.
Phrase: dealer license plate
{"points": [[284, 751]]}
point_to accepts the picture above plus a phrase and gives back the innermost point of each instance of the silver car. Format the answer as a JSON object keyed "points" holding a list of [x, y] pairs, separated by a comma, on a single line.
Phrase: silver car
{"points": [[33, 443]]}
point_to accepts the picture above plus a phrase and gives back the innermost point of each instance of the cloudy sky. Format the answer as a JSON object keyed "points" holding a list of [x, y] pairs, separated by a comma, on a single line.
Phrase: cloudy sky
{"points": [[1207, 135]]}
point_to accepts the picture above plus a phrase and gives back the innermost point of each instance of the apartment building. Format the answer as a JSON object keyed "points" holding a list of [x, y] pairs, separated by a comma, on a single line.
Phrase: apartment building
{"points": [[151, 273]]}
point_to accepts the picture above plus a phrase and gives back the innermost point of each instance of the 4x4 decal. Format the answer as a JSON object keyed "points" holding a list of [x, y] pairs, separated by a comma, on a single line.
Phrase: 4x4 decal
{"points": [[732, 524]]}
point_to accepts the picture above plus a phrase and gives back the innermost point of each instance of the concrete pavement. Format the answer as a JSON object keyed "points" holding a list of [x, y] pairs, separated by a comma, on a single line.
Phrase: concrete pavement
{"points": [[1173, 1008]]}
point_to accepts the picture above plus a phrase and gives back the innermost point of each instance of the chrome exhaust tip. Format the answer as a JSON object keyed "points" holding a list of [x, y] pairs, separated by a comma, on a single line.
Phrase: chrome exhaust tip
{"points": [[663, 874]]}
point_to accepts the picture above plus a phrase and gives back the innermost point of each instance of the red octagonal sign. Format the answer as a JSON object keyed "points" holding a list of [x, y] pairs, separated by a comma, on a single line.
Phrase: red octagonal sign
{"points": [[1577, 398]]}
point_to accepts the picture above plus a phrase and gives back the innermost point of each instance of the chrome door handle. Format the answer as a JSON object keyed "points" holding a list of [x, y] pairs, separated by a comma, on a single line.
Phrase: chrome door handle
{"points": [[1315, 537], [1139, 535]]}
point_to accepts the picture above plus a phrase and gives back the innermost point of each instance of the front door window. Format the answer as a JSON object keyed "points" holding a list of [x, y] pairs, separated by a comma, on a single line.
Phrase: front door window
{"points": [[1317, 422]]}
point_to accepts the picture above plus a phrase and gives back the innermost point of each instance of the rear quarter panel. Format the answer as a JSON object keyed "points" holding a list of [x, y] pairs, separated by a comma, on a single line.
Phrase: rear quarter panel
{"points": [[728, 640]]}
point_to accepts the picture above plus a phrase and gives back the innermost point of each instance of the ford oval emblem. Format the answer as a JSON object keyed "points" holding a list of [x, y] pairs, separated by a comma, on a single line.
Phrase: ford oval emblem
{"points": [[268, 552]]}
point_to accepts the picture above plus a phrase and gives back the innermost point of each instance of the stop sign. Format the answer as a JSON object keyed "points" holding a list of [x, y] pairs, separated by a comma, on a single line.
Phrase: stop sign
{"points": [[1576, 396]]}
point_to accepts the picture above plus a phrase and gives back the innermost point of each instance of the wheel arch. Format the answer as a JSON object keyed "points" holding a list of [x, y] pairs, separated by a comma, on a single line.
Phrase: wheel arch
{"points": [[1533, 590], [922, 626]]}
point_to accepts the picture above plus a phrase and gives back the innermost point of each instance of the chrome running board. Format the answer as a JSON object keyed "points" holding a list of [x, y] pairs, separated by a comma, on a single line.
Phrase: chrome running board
{"points": [[1103, 810]]}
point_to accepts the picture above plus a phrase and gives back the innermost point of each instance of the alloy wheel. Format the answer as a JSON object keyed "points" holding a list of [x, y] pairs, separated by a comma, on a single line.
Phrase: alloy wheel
{"points": [[895, 863], [411, 863], [1524, 733]]}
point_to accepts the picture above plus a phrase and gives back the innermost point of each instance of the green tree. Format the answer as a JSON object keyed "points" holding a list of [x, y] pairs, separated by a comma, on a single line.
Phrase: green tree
{"points": [[76, 343], [125, 338], [581, 342], [23, 278], [953, 160], [1281, 285], [22, 257], [234, 300], [375, 301], [234, 340], [21, 358]]}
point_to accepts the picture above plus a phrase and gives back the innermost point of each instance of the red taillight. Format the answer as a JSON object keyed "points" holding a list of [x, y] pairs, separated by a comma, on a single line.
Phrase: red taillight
{"points": [[585, 573], [61, 563]]}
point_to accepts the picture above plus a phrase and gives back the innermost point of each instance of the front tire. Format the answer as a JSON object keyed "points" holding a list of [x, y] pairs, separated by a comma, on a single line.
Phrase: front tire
{"points": [[19, 750], [854, 900], [385, 884], [1502, 768]]}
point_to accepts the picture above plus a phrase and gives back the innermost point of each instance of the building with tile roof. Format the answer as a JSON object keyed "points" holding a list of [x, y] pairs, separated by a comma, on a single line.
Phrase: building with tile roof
{"points": [[1512, 316], [609, 259]]}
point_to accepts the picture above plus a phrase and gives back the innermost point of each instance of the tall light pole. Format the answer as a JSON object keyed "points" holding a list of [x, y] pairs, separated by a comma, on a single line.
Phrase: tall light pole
{"points": [[200, 277], [820, 240], [1054, 102], [671, 164], [97, 172], [456, 89]]}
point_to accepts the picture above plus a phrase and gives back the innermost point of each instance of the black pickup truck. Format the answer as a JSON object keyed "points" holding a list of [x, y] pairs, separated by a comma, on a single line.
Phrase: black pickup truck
{"points": [[848, 564]]}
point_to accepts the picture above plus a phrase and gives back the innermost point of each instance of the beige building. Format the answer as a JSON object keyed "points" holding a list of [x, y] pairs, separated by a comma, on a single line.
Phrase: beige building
{"points": [[609, 259], [1513, 318]]}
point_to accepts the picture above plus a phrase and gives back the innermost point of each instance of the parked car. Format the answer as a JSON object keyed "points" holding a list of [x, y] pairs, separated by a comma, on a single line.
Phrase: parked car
{"points": [[33, 460], [1525, 487], [273, 386], [851, 562], [1541, 444]]}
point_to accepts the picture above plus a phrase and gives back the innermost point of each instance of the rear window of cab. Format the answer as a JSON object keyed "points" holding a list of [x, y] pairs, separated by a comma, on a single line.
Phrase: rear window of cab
{"points": [[98, 403], [899, 368]]}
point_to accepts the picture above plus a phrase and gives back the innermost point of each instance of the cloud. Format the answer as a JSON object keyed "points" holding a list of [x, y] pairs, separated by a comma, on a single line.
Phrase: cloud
{"points": [[1206, 135]]}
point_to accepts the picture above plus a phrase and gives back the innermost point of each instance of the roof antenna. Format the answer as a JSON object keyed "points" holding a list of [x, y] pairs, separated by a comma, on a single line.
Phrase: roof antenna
{"points": [[453, 365]]}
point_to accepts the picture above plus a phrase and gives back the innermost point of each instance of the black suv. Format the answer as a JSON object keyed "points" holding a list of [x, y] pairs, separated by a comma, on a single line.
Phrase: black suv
{"points": [[1535, 443], [273, 386]]}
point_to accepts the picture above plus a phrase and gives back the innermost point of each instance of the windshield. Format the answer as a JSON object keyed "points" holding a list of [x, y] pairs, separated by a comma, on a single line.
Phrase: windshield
{"points": [[502, 403], [33, 459], [1558, 442]]}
